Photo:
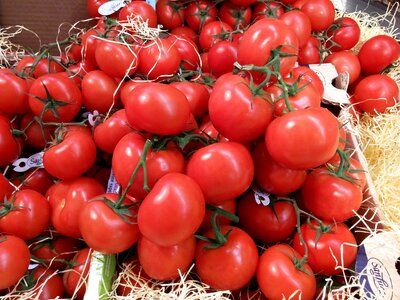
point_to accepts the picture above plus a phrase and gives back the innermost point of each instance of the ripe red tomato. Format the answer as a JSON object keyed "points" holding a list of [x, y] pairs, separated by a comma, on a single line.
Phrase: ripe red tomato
{"points": [[223, 171], [170, 14], [190, 57], [93, 7], [228, 205], [171, 260], [36, 135], [320, 12], [14, 95], [89, 41], [300, 23], [310, 52], [48, 284], [5, 187], [126, 88], [344, 34], [172, 211], [140, 9], [71, 157], [187, 33], [278, 276], [270, 9], [357, 172], [103, 229], [67, 199], [269, 224], [34, 179], [330, 250], [14, 260], [329, 197], [221, 57], [55, 98], [345, 61], [384, 49], [230, 266], [303, 139], [44, 66], [199, 13], [211, 33], [10, 145], [157, 108], [310, 76], [236, 16], [375, 93]]}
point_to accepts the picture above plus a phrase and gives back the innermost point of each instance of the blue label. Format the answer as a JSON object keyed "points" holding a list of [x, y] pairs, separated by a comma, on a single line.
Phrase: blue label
{"points": [[152, 3]]}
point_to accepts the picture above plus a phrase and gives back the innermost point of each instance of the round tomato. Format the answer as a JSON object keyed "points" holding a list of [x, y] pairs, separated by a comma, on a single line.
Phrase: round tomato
{"points": [[199, 13], [187, 33], [89, 41], [279, 277], [170, 14], [300, 23], [172, 211], [345, 61], [48, 284], [10, 145], [36, 135], [228, 205], [93, 7], [14, 260], [126, 88], [230, 266], [212, 33], [44, 66], [14, 95], [320, 12], [5, 187], [310, 52], [190, 57], [221, 57], [140, 9], [238, 17], [223, 171], [310, 76], [269, 9], [344, 34], [355, 170]]}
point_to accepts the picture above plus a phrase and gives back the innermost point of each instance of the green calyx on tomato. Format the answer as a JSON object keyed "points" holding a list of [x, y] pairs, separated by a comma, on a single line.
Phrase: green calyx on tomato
{"points": [[8, 206], [343, 170]]}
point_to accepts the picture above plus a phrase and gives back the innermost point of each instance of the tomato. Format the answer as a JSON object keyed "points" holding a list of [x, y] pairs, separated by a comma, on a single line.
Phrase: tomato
{"points": [[345, 61], [221, 57], [310, 76], [236, 112], [48, 284], [171, 260], [207, 129], [44, 66], [223, 171], [55, 98], [238, 17], [10, 145], [262, 37], [199, 13], [158, 162], [76, 278], [116, 59], [356, 170], [170, 14], [196, 94], [126, 88], [55, 253], [230, 266], [375, 93], [93, 7], [310, 52], [14, 260], [344, 34], [140, 9], [187, 33], [384, 49], [136, 278], [212, 33], [278, 277], [269, 224], [329, 197], [14, 97], [71, 157], [331, 249], [271, 176], [301, 94], [29, 208], [89, 41], [157, 108], [103, 229], [67, 199], [270, 9], [159, 59], [190, 57], [5, 187], [228, 205], [300, 23], [36, 136], [320, 12], [172, 211], [303, 139], [108, 133]]}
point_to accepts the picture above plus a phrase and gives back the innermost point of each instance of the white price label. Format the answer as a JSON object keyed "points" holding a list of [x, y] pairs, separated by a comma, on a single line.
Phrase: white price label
{"points": [[24, 164], [110, 7], [261, 197]]}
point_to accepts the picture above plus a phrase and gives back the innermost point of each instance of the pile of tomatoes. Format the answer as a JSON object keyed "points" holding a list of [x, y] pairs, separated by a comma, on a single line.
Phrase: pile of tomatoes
{"points": [[217, 138]]}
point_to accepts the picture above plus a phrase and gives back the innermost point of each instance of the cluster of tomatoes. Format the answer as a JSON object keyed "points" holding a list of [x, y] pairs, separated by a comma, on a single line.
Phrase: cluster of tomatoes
{"points": [[222, 152]]}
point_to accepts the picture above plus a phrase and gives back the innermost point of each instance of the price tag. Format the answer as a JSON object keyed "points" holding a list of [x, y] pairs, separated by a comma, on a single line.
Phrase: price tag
{"points": [[24, 164], [110, 7], [262, 198], [112, 184]]}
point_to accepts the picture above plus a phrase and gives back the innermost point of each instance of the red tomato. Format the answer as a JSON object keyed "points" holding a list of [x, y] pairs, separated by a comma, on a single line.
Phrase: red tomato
{"points": [[187, 33], [72, 157], [223, 171], [172, 211], [228, 205], [310, 76], [199, 13], [345, 61], [10, 145], [205, 68], [48, 284], [76, 278], [5, 187], [116, 59], [89, 41], [212, 33], [93, 7], [272, 177], [126, 88], [278, 277], [14, 260], [29, 208], [300, 23], [108, 133], [236, 112], [330, 249], [43, 66], [36, 135], [190, 57], [67, 199], [238, 17], [329, 197], [375, 93], [141, 9], [221, 57], [268, 224], [270, 9], [103, 229], [35, 179], [55, 98], [344, 34], [171, 260], [14, 95], [383, 49], [157, 108], [303, 139], [55, 253], [320, 12], [159, 59], [310, 52], [158, 162], [230, 266], [170, 14], [356, 170]]}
